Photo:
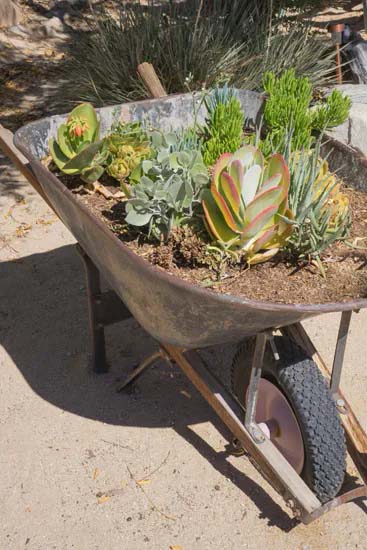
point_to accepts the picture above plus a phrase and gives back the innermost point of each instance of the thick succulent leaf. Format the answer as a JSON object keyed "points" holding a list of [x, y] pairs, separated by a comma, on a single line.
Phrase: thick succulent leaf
{"points": [[277, 165], [170, 139], [90, 175], [138, 218], [214, 219], [259, 223], [200, 179], [250, 183], [60, 159], [64, 143], [262, 257], [246, 155], [249, 155], [86, 111], [224, 208], [263, 241], [271, 182], [271, 197], [229, 189], [85, 158], [235, 170], [219, 166], [184, 159]]}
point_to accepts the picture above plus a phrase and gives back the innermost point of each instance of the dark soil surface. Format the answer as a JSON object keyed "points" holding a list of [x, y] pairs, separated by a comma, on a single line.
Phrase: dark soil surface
{"points": [[280, 280]]}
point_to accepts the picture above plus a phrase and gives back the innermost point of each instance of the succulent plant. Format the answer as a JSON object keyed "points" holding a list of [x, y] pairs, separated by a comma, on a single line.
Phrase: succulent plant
{"points": [[247, 204], [288, 110], [320, 208], [168, 191], [224, 124], [77, 149], [128, 145]]}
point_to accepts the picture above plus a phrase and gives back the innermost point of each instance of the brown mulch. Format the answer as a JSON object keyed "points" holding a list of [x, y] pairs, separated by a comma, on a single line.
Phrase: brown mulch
{"points": [[186, 256]]}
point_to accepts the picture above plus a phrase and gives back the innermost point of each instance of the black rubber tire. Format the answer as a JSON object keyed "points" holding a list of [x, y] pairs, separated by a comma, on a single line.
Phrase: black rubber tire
{"points": [[298, 377]]}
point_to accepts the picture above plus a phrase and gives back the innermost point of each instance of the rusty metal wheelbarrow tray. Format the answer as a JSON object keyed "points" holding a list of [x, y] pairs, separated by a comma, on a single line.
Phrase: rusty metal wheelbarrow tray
{"points": [[171, 310], [181, 316]]}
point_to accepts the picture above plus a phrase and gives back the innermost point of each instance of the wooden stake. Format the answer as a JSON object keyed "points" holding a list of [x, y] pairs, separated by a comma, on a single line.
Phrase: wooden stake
{"points": [[151, 80]]}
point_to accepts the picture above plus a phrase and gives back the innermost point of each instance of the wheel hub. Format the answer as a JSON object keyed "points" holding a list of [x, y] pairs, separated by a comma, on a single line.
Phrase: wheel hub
{"points": [[276, 419]]}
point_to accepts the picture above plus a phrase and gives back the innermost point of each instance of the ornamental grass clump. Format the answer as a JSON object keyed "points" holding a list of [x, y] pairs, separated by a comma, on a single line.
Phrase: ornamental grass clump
{"points": [[246, 209]]}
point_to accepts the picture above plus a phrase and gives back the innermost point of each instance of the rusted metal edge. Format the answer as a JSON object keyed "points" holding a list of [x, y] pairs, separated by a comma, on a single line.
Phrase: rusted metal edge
{"points": [[20, 161], [359, 492]]}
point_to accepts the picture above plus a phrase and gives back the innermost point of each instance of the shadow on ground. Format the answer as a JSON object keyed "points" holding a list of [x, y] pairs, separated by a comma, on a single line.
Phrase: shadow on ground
{"points": [[44, 329]]}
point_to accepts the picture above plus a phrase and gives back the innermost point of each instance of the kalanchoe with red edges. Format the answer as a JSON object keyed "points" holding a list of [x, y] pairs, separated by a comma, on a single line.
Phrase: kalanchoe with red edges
{"points": [[246, 207]]}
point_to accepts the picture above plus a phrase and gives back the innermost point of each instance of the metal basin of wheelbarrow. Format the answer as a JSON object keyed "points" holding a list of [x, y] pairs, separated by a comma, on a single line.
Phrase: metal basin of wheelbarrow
{"points": [[182, 316], [171, 310]]}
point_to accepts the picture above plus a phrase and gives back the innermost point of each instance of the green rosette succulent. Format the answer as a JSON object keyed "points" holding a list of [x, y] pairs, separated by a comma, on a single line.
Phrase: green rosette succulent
{"points": [[128, 146]]}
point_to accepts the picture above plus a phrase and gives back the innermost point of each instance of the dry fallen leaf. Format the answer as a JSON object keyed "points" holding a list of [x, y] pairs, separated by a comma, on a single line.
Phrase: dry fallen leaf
{"points": [[95, 473], [175, 547], [143, 481], [103, 499]]}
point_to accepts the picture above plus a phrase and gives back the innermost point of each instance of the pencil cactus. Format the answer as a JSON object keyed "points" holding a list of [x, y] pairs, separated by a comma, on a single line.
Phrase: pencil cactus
{"points": [[247, 204], [77, 149]]}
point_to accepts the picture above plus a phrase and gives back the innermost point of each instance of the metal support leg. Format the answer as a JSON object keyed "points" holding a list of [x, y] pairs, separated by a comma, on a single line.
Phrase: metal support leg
{"points": [[96, 329], [253, 390], [339, 356]]}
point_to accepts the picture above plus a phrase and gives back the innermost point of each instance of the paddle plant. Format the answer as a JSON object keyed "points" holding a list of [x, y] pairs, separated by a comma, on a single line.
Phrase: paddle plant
{"points": [[77, 149], [246, 207]]}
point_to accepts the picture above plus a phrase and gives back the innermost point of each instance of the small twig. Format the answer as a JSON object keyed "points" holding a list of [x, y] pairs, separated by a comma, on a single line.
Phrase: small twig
{"points": [[153, 505], [158, 467]]}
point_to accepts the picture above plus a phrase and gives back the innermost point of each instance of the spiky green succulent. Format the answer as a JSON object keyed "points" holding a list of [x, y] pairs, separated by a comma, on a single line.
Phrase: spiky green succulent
{"points": [[247, 202], [288, 110], [168, 191], [77, 149], [320, 208], [223, 131]]}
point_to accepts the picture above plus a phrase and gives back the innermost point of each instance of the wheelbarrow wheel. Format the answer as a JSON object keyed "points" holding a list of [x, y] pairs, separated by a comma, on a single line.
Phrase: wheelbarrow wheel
{"points": [[295, 399]]}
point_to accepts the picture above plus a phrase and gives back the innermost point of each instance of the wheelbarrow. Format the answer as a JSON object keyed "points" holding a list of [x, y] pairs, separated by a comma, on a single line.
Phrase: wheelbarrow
{"points": [[286, 408]]}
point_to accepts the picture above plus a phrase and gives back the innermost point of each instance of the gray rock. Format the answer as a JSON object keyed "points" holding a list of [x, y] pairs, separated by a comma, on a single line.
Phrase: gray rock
{"points": [[10, 13], [353, 132]]}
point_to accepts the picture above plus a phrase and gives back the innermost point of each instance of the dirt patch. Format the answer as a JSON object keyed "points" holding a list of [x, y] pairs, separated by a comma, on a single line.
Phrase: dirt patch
{"points": [[281, 280]]}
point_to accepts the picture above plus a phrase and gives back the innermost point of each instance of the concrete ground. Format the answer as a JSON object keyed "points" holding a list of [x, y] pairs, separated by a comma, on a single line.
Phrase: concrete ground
{"points": [[87, 468]]}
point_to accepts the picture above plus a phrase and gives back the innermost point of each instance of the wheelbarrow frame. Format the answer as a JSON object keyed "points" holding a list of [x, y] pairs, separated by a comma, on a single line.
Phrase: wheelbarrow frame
{"points": [[106, 308]]}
